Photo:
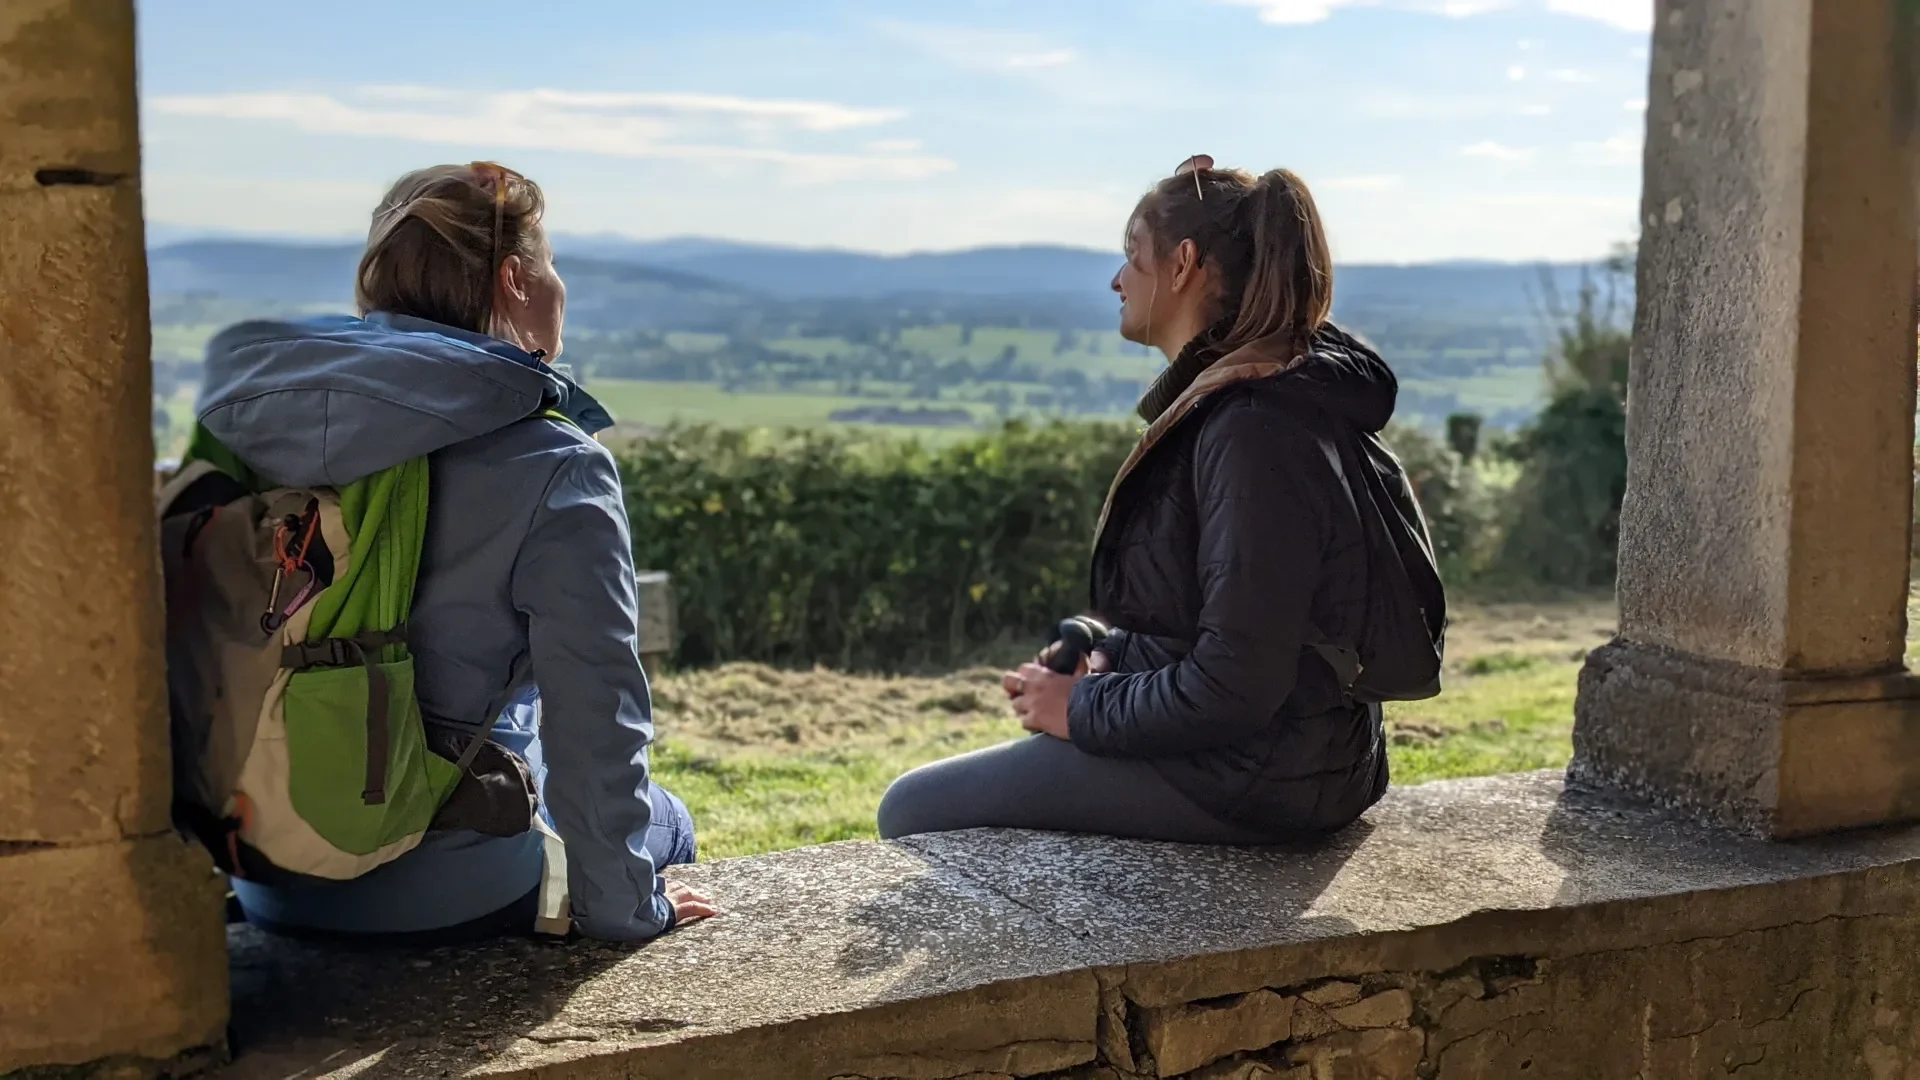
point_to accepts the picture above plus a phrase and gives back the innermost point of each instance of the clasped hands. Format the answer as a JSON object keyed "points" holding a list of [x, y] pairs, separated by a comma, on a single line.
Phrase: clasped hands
{"points": [[1040, 695]]}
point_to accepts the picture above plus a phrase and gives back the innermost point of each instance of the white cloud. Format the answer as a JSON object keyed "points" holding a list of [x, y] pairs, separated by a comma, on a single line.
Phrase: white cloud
{"points": [[1288, 12], [1636, 105], [805, 115], [1570, 75], [1494, 151], [1517, 73], [714, 130], [1535, 109], [1296, 12], [1635, 15]]}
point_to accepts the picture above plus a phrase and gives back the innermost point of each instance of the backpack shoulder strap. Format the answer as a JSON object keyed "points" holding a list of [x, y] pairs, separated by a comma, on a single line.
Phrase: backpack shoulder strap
{"points": [[1344, 660]]}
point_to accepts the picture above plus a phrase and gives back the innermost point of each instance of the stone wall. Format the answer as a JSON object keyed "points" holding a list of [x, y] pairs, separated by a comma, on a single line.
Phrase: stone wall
{"points": [[1828, 999], [1495, 928]]}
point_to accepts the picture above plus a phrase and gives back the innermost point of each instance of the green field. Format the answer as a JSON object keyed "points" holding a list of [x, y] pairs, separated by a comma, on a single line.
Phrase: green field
{"points": [[1520, 386], [770, 759], [792, 378], [1096, 352], [658, 404]]}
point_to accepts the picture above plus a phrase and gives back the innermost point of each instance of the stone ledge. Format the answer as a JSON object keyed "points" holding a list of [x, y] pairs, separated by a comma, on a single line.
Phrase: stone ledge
{"points": [[1462, 928]]}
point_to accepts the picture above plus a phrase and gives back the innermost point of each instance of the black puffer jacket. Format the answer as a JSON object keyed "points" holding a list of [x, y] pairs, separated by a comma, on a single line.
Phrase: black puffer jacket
{"points": [[1230, 536]]}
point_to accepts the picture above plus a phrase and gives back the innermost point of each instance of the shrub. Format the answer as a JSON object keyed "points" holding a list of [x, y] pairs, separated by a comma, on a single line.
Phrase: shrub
{"points": [[867, 551], [1459, 503], [1563, 521]]}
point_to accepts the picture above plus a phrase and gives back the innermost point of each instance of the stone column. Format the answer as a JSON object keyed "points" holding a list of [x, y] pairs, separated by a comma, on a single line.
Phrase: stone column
{"points": [[1758, 675], [111, 928]]}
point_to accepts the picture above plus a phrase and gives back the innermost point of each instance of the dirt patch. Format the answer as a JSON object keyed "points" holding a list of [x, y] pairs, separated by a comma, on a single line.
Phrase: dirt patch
{"points": [[760, 706], [757, 705], [1485, 638]]}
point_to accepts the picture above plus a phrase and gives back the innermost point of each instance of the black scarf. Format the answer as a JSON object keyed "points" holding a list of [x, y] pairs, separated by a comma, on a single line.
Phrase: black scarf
{"points": [[1198, 356]]}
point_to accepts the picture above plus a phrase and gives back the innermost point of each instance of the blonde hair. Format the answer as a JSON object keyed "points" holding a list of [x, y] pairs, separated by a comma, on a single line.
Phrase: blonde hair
{"points": [[438, 239]]}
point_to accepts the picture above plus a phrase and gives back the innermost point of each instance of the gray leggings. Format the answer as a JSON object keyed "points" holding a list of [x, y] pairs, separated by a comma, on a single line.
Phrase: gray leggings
{"points": [[1041, 782]]}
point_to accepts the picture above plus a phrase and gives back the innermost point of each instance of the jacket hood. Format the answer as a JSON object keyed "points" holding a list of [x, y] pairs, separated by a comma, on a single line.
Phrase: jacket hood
{"points": [[1346, 377], [333, 399]]}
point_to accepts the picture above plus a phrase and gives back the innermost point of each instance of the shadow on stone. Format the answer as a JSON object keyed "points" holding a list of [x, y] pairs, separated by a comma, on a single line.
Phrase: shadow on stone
{"points": [[1609, 846], [310, 1007]]}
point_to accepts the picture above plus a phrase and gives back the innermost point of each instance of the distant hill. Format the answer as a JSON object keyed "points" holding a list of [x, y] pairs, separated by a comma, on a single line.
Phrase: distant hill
{"points": [[1462, 335], [694, 283], [601, 295]]}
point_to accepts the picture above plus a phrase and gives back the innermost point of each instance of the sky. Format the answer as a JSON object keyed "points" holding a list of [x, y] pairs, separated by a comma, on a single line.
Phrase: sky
{"points": [[1427, 129]]}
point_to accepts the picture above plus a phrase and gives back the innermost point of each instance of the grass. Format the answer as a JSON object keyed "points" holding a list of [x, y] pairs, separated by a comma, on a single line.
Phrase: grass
{"points": [[657, 404], [771, 759]]}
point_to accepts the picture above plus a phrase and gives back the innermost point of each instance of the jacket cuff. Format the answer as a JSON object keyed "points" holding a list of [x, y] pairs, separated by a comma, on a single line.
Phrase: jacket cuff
{"points": [[1080, 708], [660, 898]]}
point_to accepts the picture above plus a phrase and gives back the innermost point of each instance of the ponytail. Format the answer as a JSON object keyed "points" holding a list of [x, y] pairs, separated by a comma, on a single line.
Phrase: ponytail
{"points": [[1288, 291]]}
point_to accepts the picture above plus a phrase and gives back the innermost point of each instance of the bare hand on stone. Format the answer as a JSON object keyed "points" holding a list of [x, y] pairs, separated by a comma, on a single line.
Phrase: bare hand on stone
{"points": [[689, 905]]}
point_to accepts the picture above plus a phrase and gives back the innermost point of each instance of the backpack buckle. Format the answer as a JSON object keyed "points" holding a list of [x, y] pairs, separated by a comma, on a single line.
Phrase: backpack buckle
{"points": [[328, 652]]}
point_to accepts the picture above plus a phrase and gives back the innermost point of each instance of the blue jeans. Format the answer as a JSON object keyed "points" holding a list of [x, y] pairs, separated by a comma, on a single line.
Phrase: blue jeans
{"points": [[670, 838]]}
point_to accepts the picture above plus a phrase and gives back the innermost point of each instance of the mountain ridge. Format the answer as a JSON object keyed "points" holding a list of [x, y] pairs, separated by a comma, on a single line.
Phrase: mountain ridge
{"points": [[1024, 276]]}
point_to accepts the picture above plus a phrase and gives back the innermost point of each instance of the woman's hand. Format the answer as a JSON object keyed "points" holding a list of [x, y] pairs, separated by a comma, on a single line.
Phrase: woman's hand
{"points": [[688, 904], [1040, 696]]}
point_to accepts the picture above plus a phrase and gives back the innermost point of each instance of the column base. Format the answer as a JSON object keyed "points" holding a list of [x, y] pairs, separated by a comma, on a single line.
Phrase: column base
{"points": [[116, 959], [1747, 748]]}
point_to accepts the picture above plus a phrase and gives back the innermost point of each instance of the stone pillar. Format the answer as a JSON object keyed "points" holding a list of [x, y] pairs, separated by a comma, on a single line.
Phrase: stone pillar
{"points": [[111, 928], [1758, 675], [658, 635]]}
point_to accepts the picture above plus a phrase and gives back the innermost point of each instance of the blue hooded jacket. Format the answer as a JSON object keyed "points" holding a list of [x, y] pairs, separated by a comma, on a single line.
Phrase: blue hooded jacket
{"points": [[526, 579]]}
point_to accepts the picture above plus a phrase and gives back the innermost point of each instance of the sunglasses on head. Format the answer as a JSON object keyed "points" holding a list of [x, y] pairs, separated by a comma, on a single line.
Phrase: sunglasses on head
{"points": [[1194, 165]]}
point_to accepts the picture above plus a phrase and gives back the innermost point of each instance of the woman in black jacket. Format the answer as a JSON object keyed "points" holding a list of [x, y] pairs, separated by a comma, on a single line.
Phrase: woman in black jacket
{"points": [[1229, 546]]}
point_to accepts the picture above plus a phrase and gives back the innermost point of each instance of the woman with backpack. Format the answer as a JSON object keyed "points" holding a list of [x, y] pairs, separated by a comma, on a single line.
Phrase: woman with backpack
{"points": [[524, 580], [1231, 561]]}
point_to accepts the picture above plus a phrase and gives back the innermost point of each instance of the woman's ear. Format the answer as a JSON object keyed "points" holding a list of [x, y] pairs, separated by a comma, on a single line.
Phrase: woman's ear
{"points": [[513, 277], [1186, 265]]}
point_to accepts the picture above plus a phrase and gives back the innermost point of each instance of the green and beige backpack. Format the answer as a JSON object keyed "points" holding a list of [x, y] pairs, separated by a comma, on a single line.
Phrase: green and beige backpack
{"points": [[298, 742]]}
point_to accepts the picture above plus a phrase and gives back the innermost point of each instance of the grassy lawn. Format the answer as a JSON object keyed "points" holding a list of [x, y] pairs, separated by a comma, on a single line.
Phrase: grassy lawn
{"points": [[771, 759]]}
